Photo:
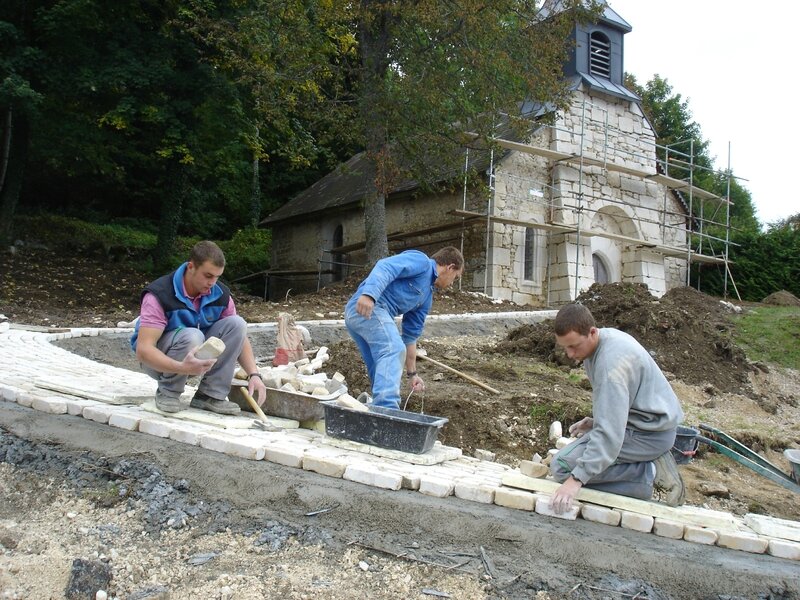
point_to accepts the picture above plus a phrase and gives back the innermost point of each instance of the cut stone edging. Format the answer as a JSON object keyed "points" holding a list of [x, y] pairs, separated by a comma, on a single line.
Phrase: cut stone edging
{"points": [[80, 382]]}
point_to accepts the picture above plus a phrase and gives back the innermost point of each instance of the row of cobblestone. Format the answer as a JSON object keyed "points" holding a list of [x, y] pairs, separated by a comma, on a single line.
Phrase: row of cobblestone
{"points": [[37, 374]]}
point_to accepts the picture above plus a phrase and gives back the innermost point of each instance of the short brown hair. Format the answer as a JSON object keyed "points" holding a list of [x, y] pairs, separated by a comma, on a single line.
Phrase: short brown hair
{"points": [[574, 317], [449, 255], [207, 251]]}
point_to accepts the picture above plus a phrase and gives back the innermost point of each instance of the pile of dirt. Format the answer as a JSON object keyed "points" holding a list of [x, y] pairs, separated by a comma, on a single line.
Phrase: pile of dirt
{"points": [[782, 298], [688, 333]]}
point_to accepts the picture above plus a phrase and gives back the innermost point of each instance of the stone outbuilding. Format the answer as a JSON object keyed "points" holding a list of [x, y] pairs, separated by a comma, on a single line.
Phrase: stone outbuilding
{"points": [[581, 200]]}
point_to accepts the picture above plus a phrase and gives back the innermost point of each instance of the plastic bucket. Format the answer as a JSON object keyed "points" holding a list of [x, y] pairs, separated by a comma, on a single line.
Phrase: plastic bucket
{"points": [[685, 445]]}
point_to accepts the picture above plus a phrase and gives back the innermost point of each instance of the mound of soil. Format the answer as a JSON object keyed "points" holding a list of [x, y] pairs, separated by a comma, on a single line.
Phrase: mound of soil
{"points": [[782, 298], [688, 333]]}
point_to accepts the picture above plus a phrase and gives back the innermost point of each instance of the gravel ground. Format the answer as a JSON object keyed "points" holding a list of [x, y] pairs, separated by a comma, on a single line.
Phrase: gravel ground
{"points": [[150, 518]]}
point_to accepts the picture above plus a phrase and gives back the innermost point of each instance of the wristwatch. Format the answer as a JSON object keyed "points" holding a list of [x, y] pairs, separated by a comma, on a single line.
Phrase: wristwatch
{"points": [[250, 375], [410, 373]]}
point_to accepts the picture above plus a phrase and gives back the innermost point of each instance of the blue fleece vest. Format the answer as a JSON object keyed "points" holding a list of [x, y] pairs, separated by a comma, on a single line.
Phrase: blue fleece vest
{"points": [[179, 308]]}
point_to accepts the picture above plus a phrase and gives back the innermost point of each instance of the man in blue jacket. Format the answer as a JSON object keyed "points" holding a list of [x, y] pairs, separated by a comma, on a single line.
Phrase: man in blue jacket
{"points": [[179, 312], [398, 285]]}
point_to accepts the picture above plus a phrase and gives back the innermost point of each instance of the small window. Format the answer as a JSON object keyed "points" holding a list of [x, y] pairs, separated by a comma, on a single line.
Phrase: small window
{"points": [[600, 269], [600, 55], [530, 252]]}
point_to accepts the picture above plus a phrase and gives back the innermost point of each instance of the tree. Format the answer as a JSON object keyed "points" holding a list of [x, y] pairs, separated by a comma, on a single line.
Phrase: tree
{"points": [[428, 69], [683, 153], [19, 101], [285, 60], [407, 77]]}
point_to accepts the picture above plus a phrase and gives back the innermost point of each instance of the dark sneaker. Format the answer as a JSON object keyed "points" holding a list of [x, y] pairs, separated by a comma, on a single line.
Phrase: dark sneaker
{"points": [[668, 480], [221, 407], [168, 404]]}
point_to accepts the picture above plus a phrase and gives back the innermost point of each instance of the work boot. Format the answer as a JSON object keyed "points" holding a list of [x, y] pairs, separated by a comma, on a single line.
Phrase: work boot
{"points": [[668, 480], [221, 407], [168, 404]]}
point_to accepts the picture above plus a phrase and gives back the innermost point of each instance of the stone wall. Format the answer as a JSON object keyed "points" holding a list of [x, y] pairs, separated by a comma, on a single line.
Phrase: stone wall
{"points": [[296, 246]]}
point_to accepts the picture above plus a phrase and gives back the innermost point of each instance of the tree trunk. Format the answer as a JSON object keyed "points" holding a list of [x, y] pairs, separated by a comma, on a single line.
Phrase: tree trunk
{"points": [[171, 212], [255, 191], [5, 145], [373, 33], [17, 156]]}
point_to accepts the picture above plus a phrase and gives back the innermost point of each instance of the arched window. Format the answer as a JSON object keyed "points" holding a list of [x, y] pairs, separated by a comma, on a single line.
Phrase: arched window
{"points": [[600, 54], [600, 269]]}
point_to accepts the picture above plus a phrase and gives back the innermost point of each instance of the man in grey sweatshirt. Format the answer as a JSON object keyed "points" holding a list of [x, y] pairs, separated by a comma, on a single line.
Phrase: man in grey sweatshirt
{"points": [[624, 447]]}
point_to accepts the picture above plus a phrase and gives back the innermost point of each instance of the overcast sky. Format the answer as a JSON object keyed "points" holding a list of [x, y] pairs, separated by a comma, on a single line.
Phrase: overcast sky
{"points": [[736, 63]]}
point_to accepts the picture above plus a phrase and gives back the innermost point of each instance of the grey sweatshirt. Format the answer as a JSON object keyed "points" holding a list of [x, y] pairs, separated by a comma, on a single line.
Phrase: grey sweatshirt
{"points": [[628, 390]]}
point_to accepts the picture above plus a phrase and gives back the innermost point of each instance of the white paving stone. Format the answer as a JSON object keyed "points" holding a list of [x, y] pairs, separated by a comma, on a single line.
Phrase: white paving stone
{"points": [[51, 404], [635, 521], [282, 453], [75, 406], [99, 413], [241, 447], [325, 462], [125, 420], [189, 433], [512, 498], [438, 487], [25, 398], [475, 492], [372, 475], [784, 549], [543, 507], [600, 514], [668, 528], [155, 426], [748, 542], [700, 535]]}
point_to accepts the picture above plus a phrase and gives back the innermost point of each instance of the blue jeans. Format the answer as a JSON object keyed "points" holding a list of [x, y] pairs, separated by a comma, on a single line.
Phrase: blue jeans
{"points": [[383, 351]]}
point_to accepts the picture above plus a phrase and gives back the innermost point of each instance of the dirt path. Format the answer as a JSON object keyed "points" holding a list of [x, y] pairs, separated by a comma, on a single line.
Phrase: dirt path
{"points": [[266, 546]]}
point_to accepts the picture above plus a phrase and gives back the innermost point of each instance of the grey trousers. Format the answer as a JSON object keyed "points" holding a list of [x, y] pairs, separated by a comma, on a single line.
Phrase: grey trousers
{"points": [[217, 380], [631, 474]]}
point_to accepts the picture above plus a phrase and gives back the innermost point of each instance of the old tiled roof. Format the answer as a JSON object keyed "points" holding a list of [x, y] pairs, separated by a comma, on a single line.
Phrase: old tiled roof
{"points": [[346, 185]]}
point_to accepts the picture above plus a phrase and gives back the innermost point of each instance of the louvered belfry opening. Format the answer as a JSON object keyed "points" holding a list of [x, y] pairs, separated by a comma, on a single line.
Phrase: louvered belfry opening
{"points": [[600, 55]]}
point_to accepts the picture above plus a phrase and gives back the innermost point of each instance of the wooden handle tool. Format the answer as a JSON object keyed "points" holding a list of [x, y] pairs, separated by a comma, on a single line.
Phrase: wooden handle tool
{"points": [[459, 373], [256, 408]]}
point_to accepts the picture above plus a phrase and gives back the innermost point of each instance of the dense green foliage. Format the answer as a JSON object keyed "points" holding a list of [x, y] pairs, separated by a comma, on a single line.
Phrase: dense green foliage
{"points": [[201, 116], [121, 114], [770, 334], [192, 119]]}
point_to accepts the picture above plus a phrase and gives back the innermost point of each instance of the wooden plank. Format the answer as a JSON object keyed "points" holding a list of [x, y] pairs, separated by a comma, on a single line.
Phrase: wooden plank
{"points": [[685, 514], [555, 228], [223, 421], [459, 373], [468, 221], [113, 398], [680, 184], [670, 182]]}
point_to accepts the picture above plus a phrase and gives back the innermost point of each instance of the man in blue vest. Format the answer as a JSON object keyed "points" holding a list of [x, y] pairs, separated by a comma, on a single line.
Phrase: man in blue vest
{"points": [[402, 284], [179, 312]]}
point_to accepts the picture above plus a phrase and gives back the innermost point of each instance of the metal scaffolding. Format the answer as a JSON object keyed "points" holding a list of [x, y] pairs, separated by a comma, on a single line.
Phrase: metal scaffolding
{"points": [[675, 172]]}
